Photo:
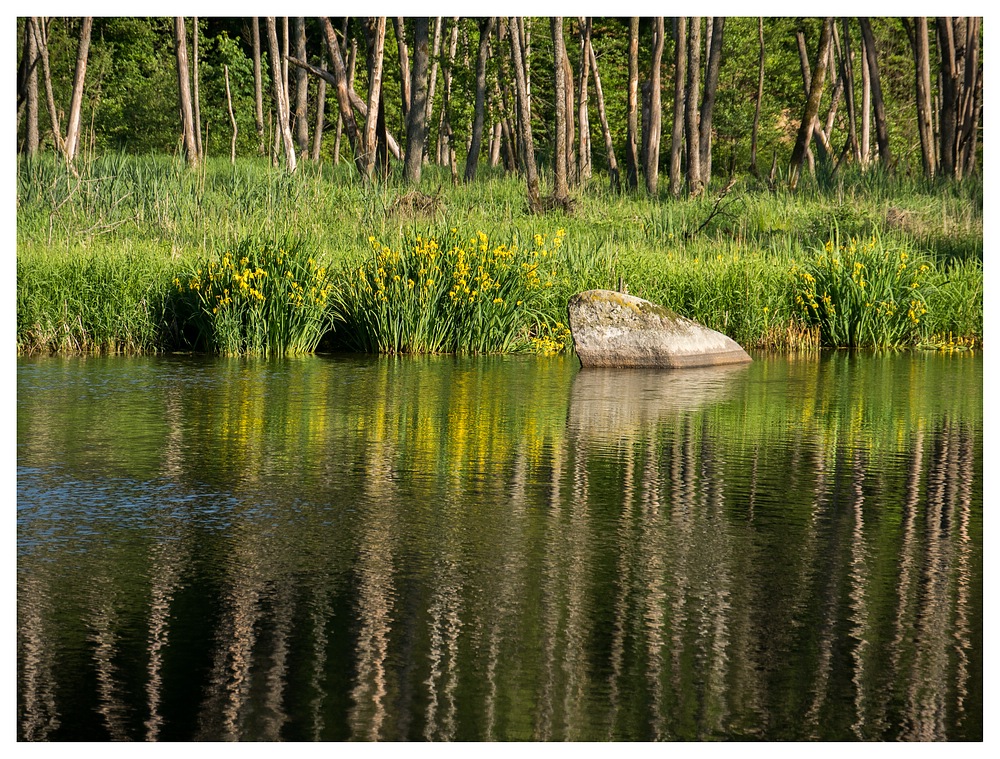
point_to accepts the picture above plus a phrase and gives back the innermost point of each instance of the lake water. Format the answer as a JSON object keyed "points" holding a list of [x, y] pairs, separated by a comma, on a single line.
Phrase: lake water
{"points": [[343, 547]]}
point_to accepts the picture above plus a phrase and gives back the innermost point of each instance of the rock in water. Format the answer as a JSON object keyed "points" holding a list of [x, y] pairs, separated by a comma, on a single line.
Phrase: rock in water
{"points": [[619, 330]]}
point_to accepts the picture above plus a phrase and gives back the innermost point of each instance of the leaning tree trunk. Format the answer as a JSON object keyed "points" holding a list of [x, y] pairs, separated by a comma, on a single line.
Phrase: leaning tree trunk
{"points": [[708, 100], [560, 190], [343, 88], [416, 115], [691, 107], [677, 131], [812, 103], [652, 140], [530, 168], [631, 139], [609, 144], [73, 130], [320, 115], [479, 118], [42, 42], [278, 81], [184, 92], [847, 75], [881, 119], [258, 86]]}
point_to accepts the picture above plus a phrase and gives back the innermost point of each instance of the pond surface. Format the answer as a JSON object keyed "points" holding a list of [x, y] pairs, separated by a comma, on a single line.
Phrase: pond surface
{"points": [[342, 547]]}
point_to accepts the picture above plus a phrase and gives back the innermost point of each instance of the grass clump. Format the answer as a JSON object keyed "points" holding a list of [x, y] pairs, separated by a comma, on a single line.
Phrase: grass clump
{"points": [[111, 302], [256, 298], [863, 293], [455, 293]]}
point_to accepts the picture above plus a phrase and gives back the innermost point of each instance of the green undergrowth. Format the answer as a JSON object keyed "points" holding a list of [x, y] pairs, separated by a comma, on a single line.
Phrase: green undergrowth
{"points": [[106, 259]]}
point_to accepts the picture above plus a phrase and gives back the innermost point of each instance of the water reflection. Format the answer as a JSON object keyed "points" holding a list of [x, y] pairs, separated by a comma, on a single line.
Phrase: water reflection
{"points": [[440, 549]]}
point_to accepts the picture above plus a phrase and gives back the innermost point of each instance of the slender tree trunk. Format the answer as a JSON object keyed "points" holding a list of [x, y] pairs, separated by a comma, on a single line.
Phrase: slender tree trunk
{"points": [[435, 56], [184, 92], [652, 168], [708, 100], [691, 107], [280, 98], [584, 160], [41, 40], [196, 94], [560, 191], [609, 144], [677, 130], [301, 91], [972, 98], [258, 85], [343, 95], [73, 131], [416, 123], [760, 96], [847, 74], [320, 115], [376, 50], [572, 169], [496, 140], [472, 160], [812, 103], [881, 120], [444, 123], [631, 139], [530, 169], [818, 132], [398, 26], [866, 107], [232, 117], [509, 148], [922, 75], [31, 88]]}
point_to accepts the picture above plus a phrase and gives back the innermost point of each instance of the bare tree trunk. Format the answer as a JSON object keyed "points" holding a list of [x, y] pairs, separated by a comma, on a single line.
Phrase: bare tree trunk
{"points": [[812, 103], [471, 161], [509, 143], [560, 190], [73, 131], [652, 140], [184, 92], [258, 85], [760, 96], [919, 43], [847, 74], [320, 115], [572, 170], [708, 100], [530, 169], [32, 59], [196, 96], [435, 56], [584, 160], [398, 26], [301, 91], [376, 49], [41, 40], [609, 144], [691, 107], [818, 132], [881, 120], [677, 130], [343, 95], [972, 99], [444, 123], [631, 139], [280, 98], [416, 120], [866, 107], [232, 117]]}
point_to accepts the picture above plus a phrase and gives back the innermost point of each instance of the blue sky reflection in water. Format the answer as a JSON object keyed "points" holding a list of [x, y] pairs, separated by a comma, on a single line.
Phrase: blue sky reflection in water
{"points": [[341, 547]]}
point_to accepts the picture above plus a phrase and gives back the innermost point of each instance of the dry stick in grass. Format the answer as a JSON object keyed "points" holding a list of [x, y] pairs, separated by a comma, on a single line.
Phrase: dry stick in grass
{"points": [[715, 208]]}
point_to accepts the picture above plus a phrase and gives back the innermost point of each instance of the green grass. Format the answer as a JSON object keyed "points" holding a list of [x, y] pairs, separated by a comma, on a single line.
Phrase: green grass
{"points": [[98, 253]]}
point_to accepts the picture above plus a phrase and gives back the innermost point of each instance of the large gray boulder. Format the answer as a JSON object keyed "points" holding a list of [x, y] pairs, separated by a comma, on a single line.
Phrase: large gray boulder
{"points": [[619, 330]]}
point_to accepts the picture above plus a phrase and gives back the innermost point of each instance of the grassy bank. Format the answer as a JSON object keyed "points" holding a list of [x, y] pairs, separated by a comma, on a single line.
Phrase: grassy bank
{"points": [[106, 260]]}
